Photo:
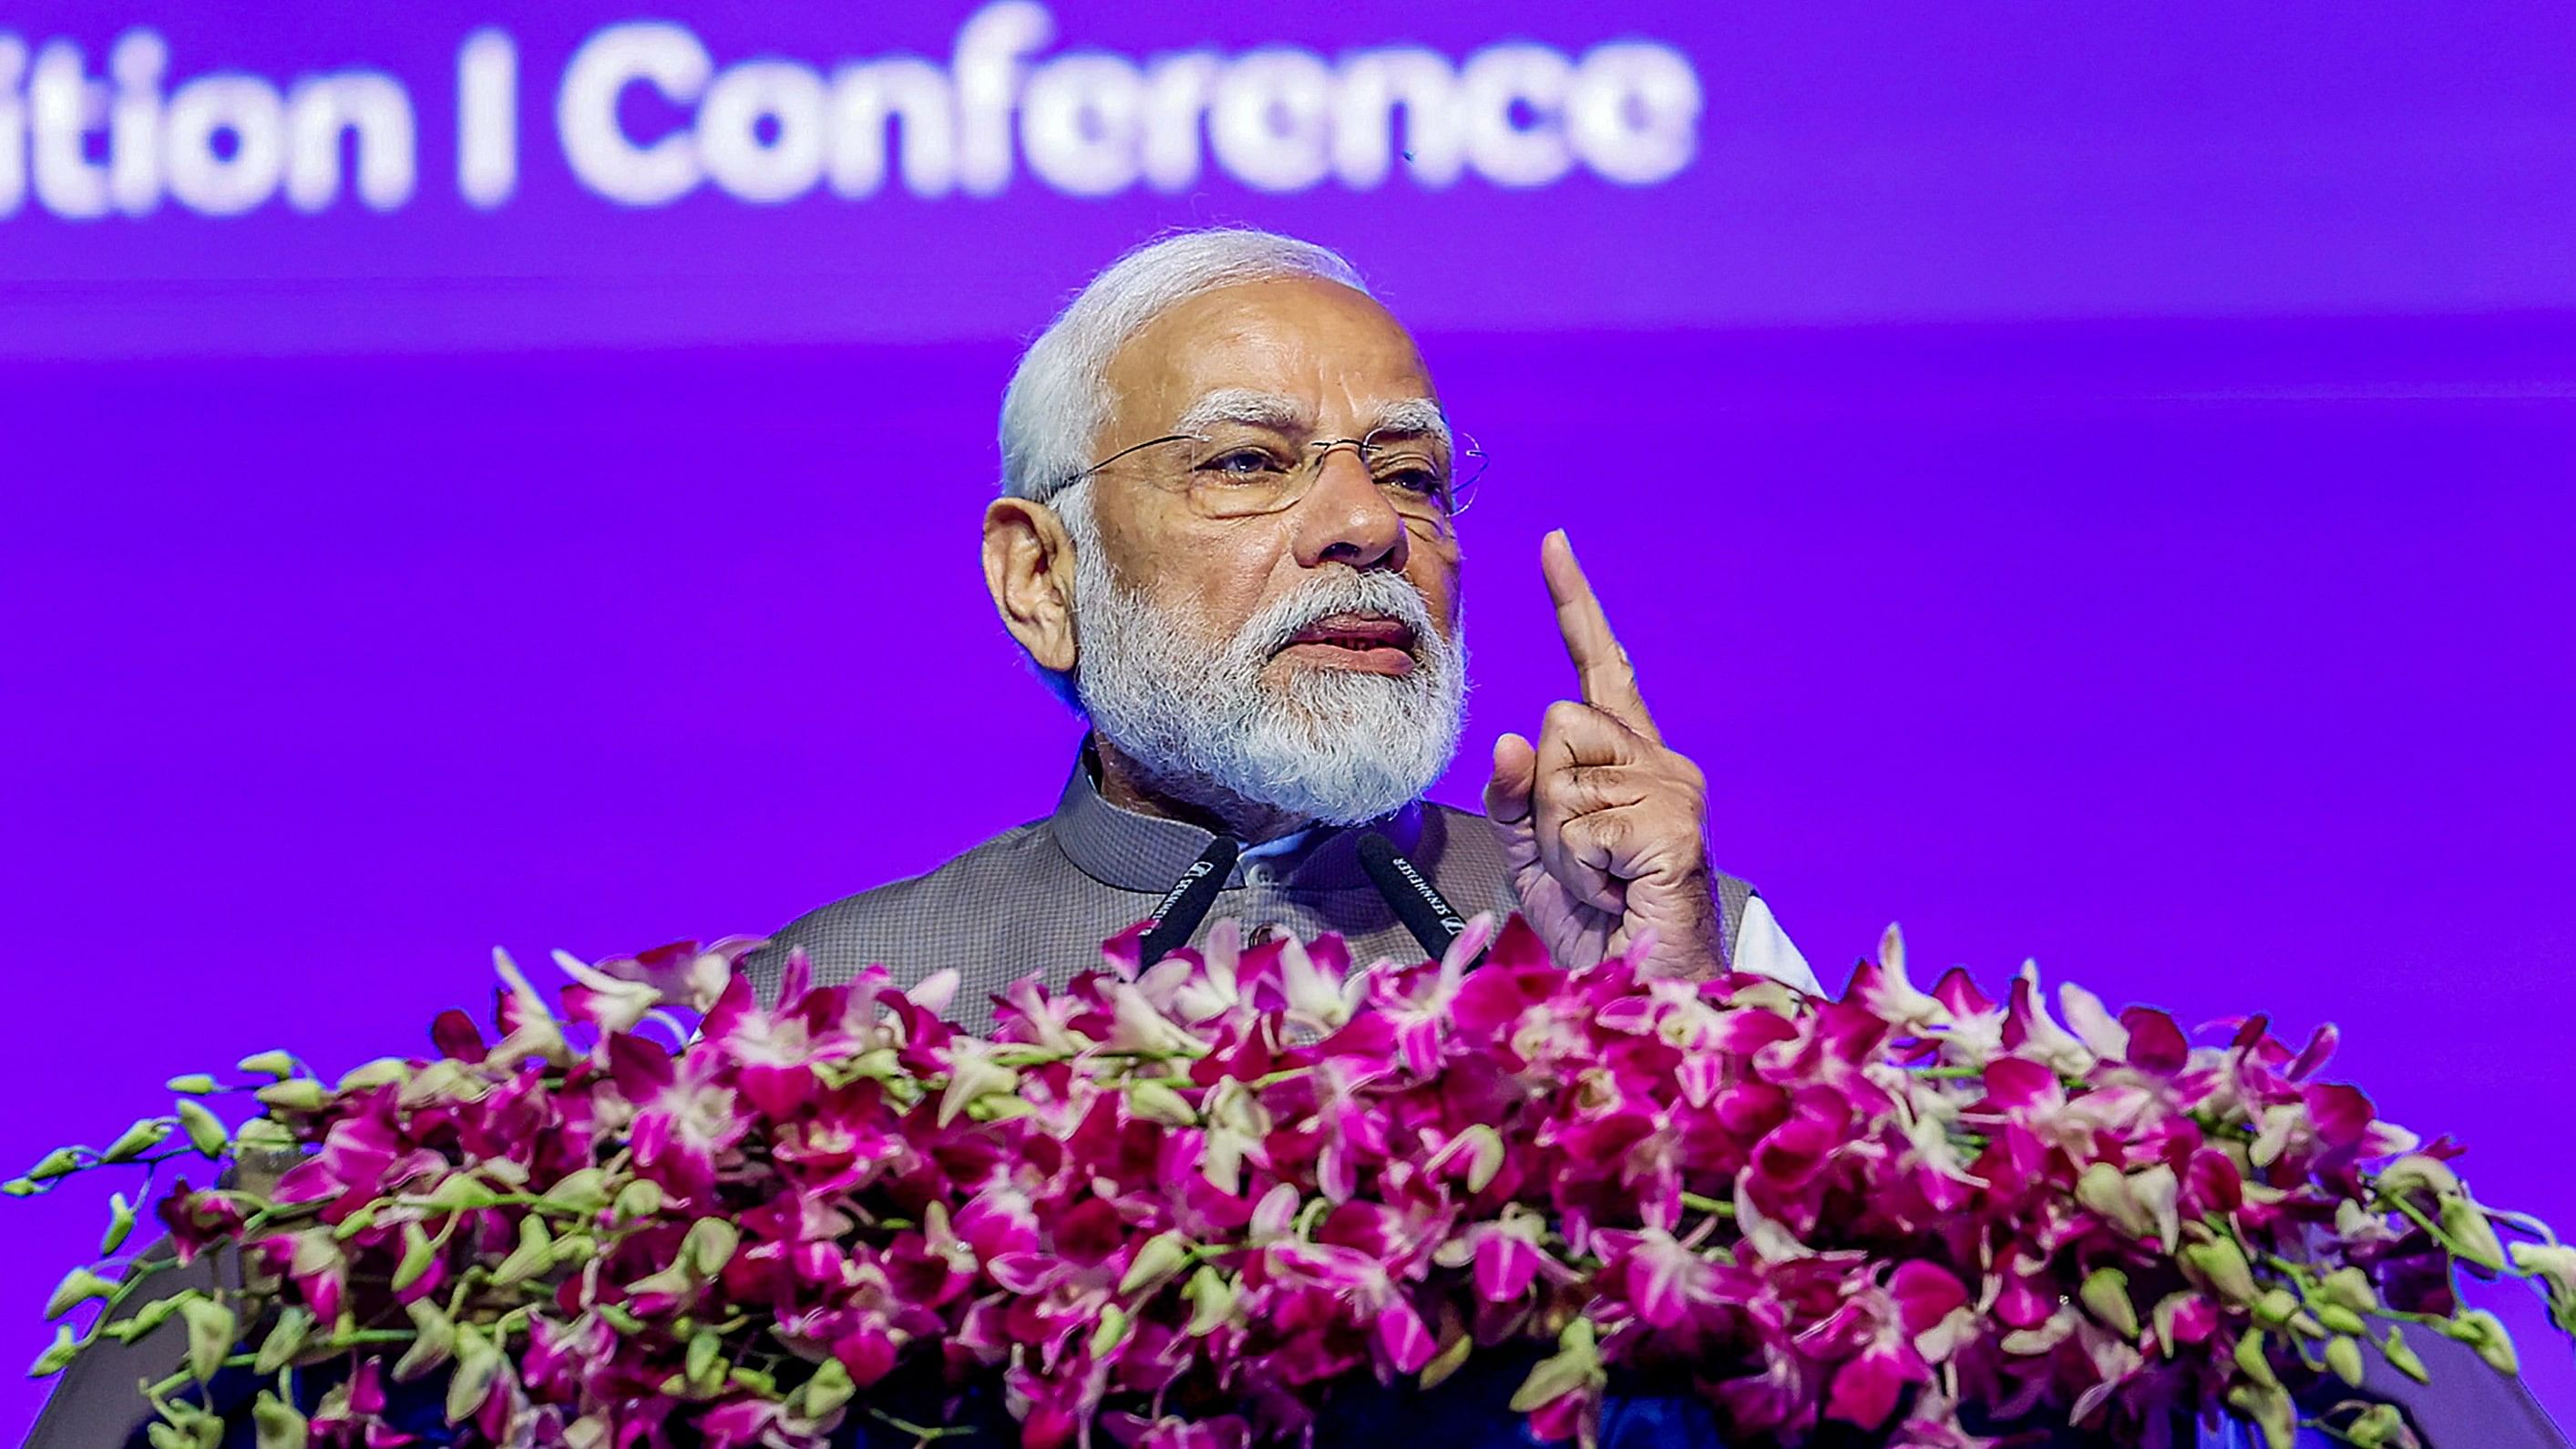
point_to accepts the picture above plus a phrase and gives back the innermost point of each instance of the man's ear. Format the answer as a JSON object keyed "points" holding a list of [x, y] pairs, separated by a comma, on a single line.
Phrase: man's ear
{"points": [[1028, 567]]}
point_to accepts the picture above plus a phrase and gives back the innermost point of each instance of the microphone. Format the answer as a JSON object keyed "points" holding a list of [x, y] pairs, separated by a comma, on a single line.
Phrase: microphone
{"points": [[1189, 900], [1424, 911]]}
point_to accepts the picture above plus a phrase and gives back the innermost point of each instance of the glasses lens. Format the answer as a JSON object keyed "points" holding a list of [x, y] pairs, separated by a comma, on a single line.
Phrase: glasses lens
{"points": [[1238, 476]]}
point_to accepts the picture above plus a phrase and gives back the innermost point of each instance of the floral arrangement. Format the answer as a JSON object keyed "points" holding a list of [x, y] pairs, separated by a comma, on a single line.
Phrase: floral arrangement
{"points": [[1184, 1206]]}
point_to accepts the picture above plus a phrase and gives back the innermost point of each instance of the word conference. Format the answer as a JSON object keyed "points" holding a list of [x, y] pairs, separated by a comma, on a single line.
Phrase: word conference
{"points": [[645, 113]]}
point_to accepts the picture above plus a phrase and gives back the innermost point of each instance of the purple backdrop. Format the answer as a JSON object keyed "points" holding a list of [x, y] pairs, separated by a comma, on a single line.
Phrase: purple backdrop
{"points": [[2099, 495]]}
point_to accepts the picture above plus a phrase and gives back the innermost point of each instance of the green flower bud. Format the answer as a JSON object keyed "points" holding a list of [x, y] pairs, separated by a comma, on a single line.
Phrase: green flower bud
{"points": [[763, 1384], [205, 1131], [382, 1072], [212, 1328], [709, 1245], [2336, 1318], [1575, 1365], [1211, 1296], [2473, 1238], [1159, 1104], [2270, 1409], [1451, 1357], [2378, 1427], [433, 1341], [2349, 1287], [358, 1221], [534, 1254], [294, 1094], [638, 1200], [2223, 1264], [704, 1370], [418, 1254], [277, 1424], [153, 1314], [54, 1360], [2276, 1307], [286, 1338], [146, 1134], [61, 1162], [2343, 1355], [1163, 1255], [456, 1193], [264, 1134], [2253, 1362], [2484, 1332], [1111, 1331], [2402, 1358], [827, 1392], [120, 1224], [2106, 1296], [478, 1369], [585, 1191], [2418, 1173], [79, 1286], [278, 1064], [20, 1187], [194, 1084], [621, 1318]]}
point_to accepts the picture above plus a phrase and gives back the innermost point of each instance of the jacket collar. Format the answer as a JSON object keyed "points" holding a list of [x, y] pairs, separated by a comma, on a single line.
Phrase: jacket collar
{"points": [[1132, 851]]}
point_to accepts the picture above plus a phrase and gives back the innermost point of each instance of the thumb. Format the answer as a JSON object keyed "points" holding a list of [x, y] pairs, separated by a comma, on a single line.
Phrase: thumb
{"points": [[1507, 794]]}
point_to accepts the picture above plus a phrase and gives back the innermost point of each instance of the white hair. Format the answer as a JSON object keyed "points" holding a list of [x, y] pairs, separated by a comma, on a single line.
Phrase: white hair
{"points": [[1059, 395], [1188, 708]]}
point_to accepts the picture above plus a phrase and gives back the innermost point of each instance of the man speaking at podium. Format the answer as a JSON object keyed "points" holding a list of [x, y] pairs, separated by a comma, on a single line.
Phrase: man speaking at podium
{"points": [[1228, 537]]}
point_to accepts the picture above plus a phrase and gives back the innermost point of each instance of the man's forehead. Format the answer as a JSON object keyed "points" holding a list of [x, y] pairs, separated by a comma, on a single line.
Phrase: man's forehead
{"points": [[1287, 413], [1317, 343]]}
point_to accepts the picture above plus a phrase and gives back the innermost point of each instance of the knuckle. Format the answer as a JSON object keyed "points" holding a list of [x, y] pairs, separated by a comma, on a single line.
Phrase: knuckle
{"points": [[1564, 715]]}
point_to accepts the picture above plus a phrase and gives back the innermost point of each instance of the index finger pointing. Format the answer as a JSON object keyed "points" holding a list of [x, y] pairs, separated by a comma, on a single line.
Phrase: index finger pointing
{"points": [[1608, 681]]}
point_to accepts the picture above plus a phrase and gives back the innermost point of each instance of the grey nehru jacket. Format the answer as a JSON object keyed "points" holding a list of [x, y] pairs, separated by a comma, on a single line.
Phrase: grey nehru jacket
{"points": [[1043, 897]]}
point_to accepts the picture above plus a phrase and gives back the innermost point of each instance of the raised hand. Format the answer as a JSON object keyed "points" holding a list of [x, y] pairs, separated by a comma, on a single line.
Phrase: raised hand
{"points": [[1604, 826]]}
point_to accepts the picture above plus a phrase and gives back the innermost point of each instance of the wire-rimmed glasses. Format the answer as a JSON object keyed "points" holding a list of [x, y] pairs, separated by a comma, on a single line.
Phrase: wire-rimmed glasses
{"points": [[1233, 473]]}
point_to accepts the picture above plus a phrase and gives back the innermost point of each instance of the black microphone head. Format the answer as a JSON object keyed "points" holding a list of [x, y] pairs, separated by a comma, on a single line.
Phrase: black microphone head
{"points": [[1190, 899], [1409, 893]]}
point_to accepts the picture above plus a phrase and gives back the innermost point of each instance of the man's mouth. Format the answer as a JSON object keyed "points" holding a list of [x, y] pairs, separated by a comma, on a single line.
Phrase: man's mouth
{"points": [[1372, 643]]}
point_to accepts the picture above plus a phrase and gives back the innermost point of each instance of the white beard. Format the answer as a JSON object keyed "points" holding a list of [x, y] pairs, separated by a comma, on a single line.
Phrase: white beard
{"points": [[1337, 746]]}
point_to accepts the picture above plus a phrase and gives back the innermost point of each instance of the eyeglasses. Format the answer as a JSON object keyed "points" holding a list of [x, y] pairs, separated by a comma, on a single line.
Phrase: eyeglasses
{"points": [[1241, 474]]}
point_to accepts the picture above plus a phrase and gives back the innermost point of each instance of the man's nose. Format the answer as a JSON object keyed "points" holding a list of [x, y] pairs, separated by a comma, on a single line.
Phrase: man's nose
{"points": [[1345, 517]]}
